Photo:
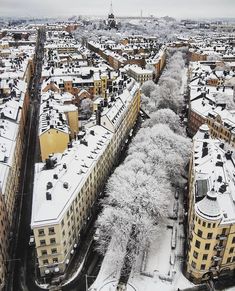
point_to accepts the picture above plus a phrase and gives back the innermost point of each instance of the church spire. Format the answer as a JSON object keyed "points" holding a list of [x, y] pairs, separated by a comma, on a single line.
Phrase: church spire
{"points": [[111, 7]]}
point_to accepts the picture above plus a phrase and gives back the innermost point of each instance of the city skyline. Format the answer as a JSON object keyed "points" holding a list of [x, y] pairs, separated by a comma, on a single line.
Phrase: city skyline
{"points": [[35, 8]]}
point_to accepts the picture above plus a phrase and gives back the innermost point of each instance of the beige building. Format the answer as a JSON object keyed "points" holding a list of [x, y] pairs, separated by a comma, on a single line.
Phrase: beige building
{"points": [[4, 230], [68, 185], [211, 213], [139, 74]]}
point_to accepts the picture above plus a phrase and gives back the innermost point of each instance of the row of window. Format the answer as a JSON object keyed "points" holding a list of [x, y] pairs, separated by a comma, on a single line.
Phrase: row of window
{"points": [[46, 262], [43, 241], [205, 224], [41, 231], [203, 266], [45, 253]]}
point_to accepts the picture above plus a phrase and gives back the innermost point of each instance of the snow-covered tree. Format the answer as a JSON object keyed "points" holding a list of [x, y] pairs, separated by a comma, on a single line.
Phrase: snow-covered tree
{"points": [[148, 87], [86, 106], [165, 116]]}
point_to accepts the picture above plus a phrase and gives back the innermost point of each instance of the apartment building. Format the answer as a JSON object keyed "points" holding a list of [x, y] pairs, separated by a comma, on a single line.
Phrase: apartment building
{"points": [[139, 74], [95, 81], [16, 69], [67, 185], [58, 124], [211, 213], [157, 62], [4, 230], [211, 94]]}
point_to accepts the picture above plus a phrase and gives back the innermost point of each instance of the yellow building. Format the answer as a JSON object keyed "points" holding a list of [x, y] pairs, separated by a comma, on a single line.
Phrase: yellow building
{"points": [[68, 185], [58, 124], [211, 213]]}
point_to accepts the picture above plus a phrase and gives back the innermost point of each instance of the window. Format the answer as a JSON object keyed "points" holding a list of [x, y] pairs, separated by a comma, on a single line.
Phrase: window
{"points": [[51, 230], [204, 257], [45, 262], [195, 254], [62, 222], [204, 223], [52, 240], [223, 230], [41, 232], [63, 233], [197, 244], [233, 259], [207, 246], [199, 221], [233, 240], [44, 252], [199, 233], [53, 251], [209, 225], [214, 225], [229, 260], [193, 264], [55, 260], [42, 242], [209, 235], [203, 267]]}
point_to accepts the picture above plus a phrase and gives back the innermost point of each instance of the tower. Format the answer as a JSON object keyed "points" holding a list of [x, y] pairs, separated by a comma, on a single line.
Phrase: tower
{"points": [[111, 22]]}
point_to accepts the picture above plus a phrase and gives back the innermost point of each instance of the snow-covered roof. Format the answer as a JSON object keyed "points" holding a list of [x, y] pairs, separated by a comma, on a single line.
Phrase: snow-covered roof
{"points": [[72, 167], [214, 169]]}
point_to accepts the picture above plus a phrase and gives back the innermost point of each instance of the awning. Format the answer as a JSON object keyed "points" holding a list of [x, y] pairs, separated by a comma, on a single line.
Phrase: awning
{"points": [[47, 271], [56, 269]]}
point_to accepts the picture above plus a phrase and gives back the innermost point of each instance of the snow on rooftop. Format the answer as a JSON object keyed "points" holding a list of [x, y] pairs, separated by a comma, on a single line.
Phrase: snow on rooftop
{"points": [[216, 167], [79, 161]]}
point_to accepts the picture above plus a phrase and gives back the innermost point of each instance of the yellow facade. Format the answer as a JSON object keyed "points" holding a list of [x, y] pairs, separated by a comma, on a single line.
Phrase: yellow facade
{"points": [[72, 118], [4, 230], [53, 141], [211, 236]]}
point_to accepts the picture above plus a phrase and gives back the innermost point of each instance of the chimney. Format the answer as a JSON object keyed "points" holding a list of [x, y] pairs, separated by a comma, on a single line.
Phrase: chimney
{"points": [[98, 116]]}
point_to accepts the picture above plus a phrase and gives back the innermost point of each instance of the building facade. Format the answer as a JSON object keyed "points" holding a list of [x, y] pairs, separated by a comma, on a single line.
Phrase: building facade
{"points": [[211, 215], [67, 186]]}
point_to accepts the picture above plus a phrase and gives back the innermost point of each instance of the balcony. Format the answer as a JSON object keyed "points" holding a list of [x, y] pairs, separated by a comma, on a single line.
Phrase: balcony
{"points": [[218, 248], [221, 237], [216, 258]]}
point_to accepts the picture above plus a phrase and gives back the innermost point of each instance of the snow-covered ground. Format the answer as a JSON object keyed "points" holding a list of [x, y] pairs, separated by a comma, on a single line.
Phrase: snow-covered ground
{"points": [[163, 269], [158, 270]]}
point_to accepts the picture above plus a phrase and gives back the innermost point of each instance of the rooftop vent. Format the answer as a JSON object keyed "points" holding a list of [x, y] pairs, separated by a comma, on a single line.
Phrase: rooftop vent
{"points": [[55, 176], [228, 155], [66, 185], [84, 142], [219, 164], [48, 195], [222, 188], [49, 185], [92, 132], [204, 152], [64, 166], [219, 179]]}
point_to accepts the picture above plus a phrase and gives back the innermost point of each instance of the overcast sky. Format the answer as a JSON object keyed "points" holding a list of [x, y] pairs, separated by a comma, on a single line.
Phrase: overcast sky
{"points": [[175, 8]]}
